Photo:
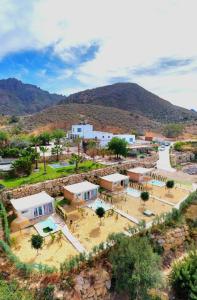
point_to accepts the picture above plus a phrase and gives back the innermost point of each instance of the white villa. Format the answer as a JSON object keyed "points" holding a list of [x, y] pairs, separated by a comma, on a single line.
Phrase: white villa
{"points": [[86, 131], [34, 206]]}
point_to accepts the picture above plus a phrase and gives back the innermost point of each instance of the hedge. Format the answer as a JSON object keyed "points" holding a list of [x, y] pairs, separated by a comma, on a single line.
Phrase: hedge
{"points": [[3, 215]]}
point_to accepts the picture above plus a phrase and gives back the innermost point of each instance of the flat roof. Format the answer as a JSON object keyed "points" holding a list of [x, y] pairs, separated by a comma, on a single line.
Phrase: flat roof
{"points": [[31, 201], [81, 187], [140, 170], [115, 177]]}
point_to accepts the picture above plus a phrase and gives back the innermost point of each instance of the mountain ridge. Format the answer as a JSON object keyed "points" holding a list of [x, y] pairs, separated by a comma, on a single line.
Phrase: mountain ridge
{"points": [[20, 98], [133, 98]]}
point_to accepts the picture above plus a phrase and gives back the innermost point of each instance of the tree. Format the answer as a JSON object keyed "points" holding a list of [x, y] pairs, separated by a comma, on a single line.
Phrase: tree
{"points": [[183, 278], [37, 241], [22, 166], [100, 212], [135, 267], [3, 138], [13, 291], [58, 134], [170, 185], [92, 149], [173, 130], [144, 196], [76, 159], [57, 150], [118, 146], [35, 141], [45, 138], [44, 150]]}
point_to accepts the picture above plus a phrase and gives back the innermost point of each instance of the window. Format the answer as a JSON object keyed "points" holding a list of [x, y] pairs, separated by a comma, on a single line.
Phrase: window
{"points": [[79, 129], [130, 140], [103, 136], [24, 211]]}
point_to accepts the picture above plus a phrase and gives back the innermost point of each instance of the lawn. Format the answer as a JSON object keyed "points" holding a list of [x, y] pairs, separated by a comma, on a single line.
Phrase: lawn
{"points": [[51, 174]]}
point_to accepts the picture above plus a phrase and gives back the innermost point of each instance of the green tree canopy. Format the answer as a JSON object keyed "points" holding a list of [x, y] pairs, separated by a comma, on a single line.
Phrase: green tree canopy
{"points": [[135, 267], [183, 278], [173, 130], [76, 160], [58, 134], [37, 241], [13, 291], [118, 146], [45, 138], [100, 212], [170, 184], [3, 138]]}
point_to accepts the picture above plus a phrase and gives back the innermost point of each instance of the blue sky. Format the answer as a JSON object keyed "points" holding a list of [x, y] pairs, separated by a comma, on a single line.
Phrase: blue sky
{"points": [[66, 46]]}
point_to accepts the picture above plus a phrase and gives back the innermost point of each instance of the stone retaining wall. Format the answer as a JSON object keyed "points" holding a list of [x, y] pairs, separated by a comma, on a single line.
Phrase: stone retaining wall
{"points": [[55, 186], [173, 238], [181, 157]]}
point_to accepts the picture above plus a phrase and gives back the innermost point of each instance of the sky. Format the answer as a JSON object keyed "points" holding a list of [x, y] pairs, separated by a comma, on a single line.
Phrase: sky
{"points": [[65, 46]]}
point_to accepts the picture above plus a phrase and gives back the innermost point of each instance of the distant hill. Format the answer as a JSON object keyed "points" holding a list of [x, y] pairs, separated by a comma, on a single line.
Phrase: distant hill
{"points": [[133, 98], [103, 118], [17, 98]]}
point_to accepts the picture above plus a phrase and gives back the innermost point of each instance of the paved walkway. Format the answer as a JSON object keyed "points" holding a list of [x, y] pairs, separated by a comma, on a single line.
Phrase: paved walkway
{"points": [[122, 213], [164, 160], [68, 234]]}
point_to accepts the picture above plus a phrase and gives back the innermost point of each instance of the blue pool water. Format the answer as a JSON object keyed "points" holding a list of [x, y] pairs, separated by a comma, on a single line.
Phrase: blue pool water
{"points": [[133, 192], [99, 203], [157, 183], [47, 223], [58, 165]]}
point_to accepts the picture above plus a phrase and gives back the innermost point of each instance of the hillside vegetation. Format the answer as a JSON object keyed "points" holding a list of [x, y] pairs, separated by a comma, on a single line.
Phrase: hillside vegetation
{"points": [[103, 118]]}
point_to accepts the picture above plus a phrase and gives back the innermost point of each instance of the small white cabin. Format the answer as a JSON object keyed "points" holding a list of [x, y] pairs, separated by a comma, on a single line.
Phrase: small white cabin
{"points": [[34, 206]]}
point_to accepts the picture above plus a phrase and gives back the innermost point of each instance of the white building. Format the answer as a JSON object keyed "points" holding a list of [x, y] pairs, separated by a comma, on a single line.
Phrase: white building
{"points": [[86, 131], [34, 206]]}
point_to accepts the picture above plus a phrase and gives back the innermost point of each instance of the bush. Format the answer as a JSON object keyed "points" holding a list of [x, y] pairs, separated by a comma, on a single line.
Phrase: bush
{"points": [[3, 216], [183, 278], [135, 268]]}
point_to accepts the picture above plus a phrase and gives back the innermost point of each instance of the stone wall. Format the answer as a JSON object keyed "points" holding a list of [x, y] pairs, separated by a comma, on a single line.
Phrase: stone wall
{"points": [[93, 284], [173, 238], [55, 186], [181, 157]]}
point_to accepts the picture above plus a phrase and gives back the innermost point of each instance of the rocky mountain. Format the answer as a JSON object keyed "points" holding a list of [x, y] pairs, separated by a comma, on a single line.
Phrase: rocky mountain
{"points": [[103, 118], [133, 98], [18, 98]]}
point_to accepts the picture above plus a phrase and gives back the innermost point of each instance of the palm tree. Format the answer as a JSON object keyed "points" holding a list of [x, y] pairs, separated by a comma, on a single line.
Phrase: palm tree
{"points": [[35, 141], [57, 150], [76, 159], [44, 150]]}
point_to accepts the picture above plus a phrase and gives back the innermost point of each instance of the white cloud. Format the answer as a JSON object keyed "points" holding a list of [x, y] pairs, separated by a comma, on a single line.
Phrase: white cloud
{"points": [[131, 34]]}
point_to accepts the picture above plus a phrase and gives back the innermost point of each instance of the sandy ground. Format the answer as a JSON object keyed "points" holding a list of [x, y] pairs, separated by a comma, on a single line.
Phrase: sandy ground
{"points": [[175, 196], [135, 207], [89, 232], [50, 254]]}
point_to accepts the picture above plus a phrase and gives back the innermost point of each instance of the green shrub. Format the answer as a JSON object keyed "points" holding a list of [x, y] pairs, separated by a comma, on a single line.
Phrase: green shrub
{"points": [[183, 278], [3, 215]]}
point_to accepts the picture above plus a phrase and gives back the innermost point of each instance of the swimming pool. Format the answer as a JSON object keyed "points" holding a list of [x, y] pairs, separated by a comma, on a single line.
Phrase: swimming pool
{"points": [[157, 183], [133, 192], [59, 165], [99, 203], [46, 224]]}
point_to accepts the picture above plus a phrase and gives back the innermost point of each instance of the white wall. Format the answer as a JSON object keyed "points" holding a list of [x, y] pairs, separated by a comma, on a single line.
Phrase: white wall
{"points": [[81, 129], [129, 138], [30, 212]]}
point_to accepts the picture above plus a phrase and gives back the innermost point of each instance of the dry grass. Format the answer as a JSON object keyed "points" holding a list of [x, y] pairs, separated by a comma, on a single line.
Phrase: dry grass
{"points": [[51, 254], [173, 196], [88, 231], [135, 207]]}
